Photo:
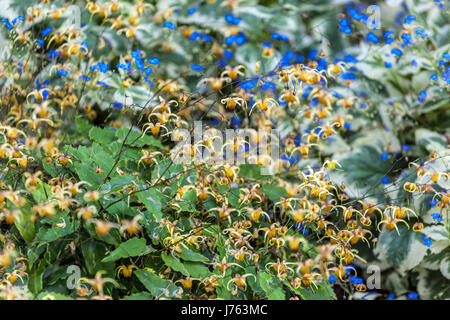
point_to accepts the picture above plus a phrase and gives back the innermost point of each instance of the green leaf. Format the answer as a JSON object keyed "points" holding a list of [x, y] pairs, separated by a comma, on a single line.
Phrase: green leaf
{"points": [[274, 192], [197, 270], [323, 292], [130, 248], [403, 252], [174, 263], [93, 253], [41, 193], [83, 125], [436, 232], [55, 232], [432, 286], [35, 278], [396, 283], [156, 285], [445, 267], [86, 172], [116, 183], [103, 158], [103, 136], [271, 286], [25, 224], [135, 138], [251, 171], [139, 296], [189, 199], [430, 141], [152, 199], [190, 255], [362, 172]]}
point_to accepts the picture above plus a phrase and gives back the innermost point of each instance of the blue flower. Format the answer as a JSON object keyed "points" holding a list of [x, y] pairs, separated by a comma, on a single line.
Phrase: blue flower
{"points": [[397, 52], [332, 279], [312, 54], [427, 242], [371, 37], [385, 180], [345, 26], [194, 35], [47, 31], [437, 217], [153, 60], [391, 296], [248, 84], [355, 280], [236, 120], [222, 63], [350, 59], [40, 42], [405, 147], [205, 38], [384, 156], [413, 295], [422, 96], [230, 39], [149, 82], [104, 84], [191, 11], [348, 76], [169, 25], [240, 39], [197, 67], [354, 14], [407, 37], [388, 65], [434, 77], [275, 36], [228, 54], [62, 72], [45, 94], [102, 67], [408, 19], [117, 105], [232, 19], [136, 53]]}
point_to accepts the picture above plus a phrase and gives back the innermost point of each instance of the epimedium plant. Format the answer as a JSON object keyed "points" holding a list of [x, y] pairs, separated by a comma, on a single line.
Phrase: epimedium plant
{"points": [[95, 205]]}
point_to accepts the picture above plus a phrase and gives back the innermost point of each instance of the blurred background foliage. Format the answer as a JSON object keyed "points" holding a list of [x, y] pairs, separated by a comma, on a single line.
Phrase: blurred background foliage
{"points": [[400, 107]]}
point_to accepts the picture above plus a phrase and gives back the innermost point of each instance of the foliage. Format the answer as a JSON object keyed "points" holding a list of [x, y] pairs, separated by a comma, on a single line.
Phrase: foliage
{"points": [[93, 95]]}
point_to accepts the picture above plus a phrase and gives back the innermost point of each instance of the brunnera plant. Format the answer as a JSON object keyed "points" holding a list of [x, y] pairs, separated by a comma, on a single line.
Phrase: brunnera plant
{"points": [[95, 204]]}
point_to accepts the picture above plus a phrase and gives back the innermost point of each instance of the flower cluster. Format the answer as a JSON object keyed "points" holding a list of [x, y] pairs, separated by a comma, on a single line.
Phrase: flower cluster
{"points": [[90, 117]]}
